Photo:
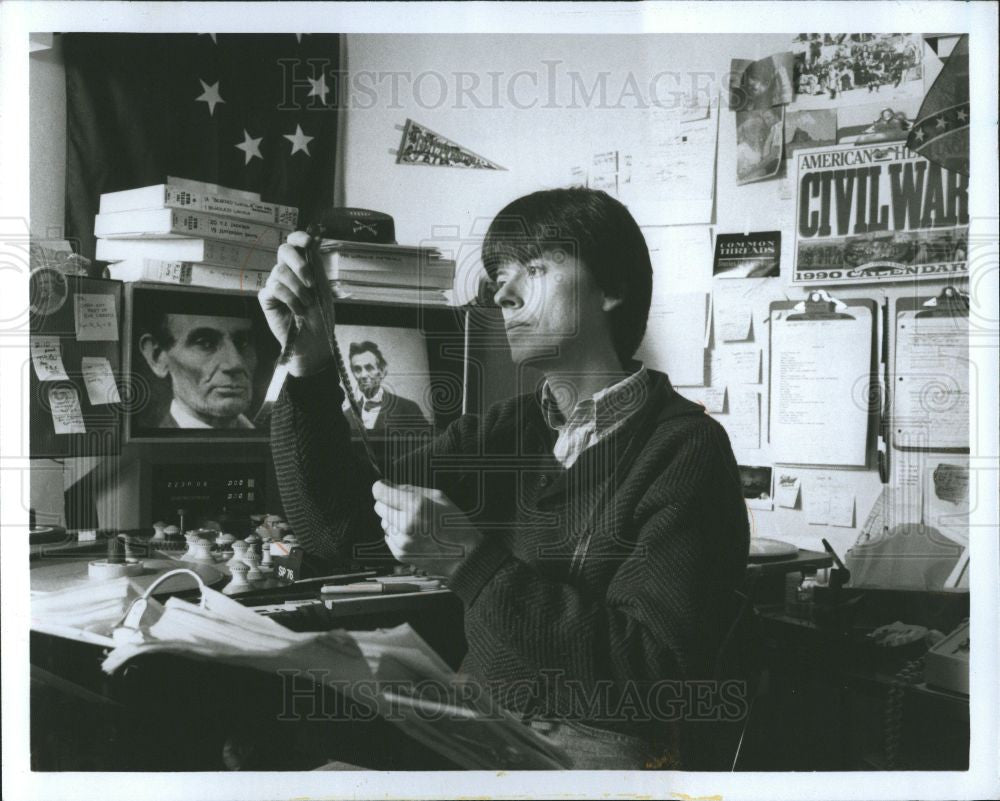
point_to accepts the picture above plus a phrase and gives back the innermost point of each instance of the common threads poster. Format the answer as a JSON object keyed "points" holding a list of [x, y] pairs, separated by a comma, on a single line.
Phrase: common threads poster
{"points": [[755, 255], [878, 213]]}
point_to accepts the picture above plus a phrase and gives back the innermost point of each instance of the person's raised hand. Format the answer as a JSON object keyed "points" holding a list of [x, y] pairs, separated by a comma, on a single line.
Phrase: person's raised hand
{"points": [[289, 298], [423, 527]]}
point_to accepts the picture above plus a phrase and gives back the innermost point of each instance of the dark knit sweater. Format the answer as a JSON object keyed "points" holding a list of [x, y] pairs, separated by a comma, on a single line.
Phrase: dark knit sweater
{"points": [[592, 584]]}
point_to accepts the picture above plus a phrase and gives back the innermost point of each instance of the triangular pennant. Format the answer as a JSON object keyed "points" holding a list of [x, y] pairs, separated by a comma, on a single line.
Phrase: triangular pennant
{"points": [[421, 145], [941, 132]]}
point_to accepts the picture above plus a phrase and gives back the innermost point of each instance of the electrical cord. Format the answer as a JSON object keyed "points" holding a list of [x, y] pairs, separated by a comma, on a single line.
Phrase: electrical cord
{"points": [[910, 674]]}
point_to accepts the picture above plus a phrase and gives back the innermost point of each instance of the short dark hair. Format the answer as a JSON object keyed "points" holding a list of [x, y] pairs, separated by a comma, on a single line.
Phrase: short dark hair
{"points": [[367, 347], [595, 228]]}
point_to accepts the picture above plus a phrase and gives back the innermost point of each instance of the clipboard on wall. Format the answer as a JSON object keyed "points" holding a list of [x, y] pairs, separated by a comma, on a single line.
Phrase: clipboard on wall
{"points": [[823, 385], [931, 373]]}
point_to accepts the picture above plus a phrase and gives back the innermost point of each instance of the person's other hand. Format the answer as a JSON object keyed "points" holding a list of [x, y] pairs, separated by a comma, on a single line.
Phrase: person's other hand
{"points": [[423, 528], [289, 298]]}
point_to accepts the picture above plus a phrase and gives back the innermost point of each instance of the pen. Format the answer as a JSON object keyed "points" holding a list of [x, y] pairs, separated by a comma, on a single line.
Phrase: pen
{"points": [[833, 553], [369, 588]]}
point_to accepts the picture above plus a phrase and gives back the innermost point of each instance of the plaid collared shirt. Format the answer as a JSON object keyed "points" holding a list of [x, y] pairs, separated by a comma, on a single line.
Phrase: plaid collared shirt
{"points": [[594, 418]]}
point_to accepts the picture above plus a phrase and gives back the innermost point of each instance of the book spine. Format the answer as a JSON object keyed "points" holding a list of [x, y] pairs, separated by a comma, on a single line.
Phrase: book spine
{"points": [[213, 189], [208, 251], [390, 294], [188, 274], [210, 226], [388, 262], [222, 254], [285, 217], [416, 280], [159, 223]]}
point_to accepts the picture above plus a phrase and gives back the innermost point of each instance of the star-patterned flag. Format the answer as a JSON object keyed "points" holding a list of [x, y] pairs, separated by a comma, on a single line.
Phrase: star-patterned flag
{"points": [[252, 112], [941, 132]]}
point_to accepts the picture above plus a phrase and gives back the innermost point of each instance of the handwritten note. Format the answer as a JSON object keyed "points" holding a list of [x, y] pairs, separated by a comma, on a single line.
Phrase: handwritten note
{"points": [[681, 255], [96, 318], [675, 335], [741, 364], [733, 323], [712, 398], [829, 502], [46, 358], [931, 391], [743, 421], [67, 416], [99, 380]]}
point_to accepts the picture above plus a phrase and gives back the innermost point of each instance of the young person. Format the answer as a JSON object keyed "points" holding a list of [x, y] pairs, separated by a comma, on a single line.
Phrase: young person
{"points": [[593, 528]]}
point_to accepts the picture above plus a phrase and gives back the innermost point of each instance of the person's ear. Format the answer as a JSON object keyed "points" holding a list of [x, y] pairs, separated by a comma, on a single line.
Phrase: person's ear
{"points": [[611, 302], [153, 354]]}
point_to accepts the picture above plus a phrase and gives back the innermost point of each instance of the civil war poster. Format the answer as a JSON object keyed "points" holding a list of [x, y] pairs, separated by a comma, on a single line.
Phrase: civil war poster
{"points": [[878, 213]]}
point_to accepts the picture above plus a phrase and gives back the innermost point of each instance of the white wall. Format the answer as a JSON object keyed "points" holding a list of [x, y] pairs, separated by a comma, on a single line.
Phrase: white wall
{"points": [[47, 129], [47, 163], [537, 145]]}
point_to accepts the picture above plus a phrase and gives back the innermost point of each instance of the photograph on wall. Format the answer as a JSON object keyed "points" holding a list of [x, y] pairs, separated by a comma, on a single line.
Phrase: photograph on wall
{"points": [[837, 69], [390, 377], [946, 498], [876, 122], [766, 83], [201, 363], [816, 128], [758, 143], [756, 483], [756, 255], [878, 213]]}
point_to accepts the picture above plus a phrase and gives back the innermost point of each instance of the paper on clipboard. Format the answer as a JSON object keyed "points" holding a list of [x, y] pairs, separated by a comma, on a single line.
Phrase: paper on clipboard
{"points": [[820, 372], [930, 398]]}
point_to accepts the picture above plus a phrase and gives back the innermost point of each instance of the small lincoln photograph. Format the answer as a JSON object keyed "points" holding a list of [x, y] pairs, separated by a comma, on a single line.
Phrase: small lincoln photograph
{"points": [[201, 363], [390, 377]]}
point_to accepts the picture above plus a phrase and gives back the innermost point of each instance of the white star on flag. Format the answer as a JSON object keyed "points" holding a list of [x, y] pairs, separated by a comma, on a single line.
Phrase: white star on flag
{"points": [[209, 34], [298, 38], [318, 88], [210, 95], [941, 123], [962, 115], [299, 141], [919, 135], [250, 147]]}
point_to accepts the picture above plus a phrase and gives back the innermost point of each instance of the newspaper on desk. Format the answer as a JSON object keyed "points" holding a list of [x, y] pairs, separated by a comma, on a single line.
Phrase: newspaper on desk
{"points": [[455, 720]]}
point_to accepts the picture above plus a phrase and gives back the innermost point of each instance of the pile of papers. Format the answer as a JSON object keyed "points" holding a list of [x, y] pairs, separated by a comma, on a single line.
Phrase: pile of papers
{"points": [[397, 672]]}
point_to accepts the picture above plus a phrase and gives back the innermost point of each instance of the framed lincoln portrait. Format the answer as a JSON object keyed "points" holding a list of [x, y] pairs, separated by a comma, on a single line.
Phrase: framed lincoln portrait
{"points": [[199, 363]]}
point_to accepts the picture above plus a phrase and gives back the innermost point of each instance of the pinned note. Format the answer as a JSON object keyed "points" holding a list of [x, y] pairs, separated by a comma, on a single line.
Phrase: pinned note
{"points": [[787, 493], [67, 416], [712, 398], [99, 380], [741, 364], [675, 335], [733, 323], [828, 501], [743, 421], [46, 358], [96, 318]]}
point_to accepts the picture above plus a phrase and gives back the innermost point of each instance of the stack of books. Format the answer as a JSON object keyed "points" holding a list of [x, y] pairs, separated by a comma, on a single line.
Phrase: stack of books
{"points": [[191, 233], [405, 274], [198, 234]]}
